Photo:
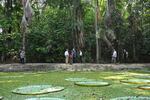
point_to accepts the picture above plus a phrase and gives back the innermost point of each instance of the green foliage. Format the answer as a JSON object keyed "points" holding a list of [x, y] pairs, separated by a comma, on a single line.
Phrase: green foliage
{"points": [[48, 39], [51, 32]]}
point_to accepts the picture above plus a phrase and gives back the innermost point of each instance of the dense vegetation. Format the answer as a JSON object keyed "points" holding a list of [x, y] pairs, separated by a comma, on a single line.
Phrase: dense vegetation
{"points": [[95, 26]]}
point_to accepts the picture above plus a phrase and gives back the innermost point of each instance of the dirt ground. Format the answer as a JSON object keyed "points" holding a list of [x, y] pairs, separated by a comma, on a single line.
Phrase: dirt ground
{"points": [[15, 67]]}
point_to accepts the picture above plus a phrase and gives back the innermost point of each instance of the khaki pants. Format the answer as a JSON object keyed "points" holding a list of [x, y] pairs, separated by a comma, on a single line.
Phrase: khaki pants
{"points": [[67, 59]]}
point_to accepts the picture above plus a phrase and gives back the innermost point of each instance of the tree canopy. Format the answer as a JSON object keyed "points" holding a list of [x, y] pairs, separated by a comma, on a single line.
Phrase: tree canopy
{"points": [[94, 26]]}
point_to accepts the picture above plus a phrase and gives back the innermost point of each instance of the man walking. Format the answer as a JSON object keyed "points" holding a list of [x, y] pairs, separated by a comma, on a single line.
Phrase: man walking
{"points": [[114, 56]]}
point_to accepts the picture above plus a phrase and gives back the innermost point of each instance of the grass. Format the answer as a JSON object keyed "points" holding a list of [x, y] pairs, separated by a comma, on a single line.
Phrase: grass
{"points": [[72, 92]]}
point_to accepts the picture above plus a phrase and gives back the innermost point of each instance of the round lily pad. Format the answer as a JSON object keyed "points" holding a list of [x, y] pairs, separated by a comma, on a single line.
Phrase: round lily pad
{"points": [[142, 76], [115, 77], [9, 81], [132, 74], [78, 79], [144, 87], [37, 89], [42, 72], [29, 73], [132, 98], [11, 76], [44, 98], [136, 81], [92, 83]]}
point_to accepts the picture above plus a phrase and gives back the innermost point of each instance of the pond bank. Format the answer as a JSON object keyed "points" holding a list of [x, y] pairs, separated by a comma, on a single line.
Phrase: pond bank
{"points": [[16, 67]]}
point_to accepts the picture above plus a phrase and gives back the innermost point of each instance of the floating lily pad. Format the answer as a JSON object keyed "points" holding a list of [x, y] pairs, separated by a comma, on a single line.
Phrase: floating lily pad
{"points": [[34, 74], [37, 75], [115, 77], [11, 76], [132, 98], [37, 89], [133, 74], [42, 72], [136, 81], [144, 87], [92, 83], [10, 81], [142, 76], [45, 98], [29, 73], [78, 79]]}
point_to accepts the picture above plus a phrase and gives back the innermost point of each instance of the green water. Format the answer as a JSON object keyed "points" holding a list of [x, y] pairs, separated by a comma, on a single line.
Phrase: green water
{"points": [[11, 81]]}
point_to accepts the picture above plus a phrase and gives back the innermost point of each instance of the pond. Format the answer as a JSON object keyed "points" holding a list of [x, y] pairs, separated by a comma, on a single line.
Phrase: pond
{"points": [[117, 80]]}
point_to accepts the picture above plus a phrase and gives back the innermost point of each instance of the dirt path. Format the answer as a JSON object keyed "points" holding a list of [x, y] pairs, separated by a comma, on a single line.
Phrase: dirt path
{"points": [[67, 67]]}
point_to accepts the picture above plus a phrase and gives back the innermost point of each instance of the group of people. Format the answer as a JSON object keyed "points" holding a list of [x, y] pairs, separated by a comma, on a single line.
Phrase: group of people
{"points": [[114, 56], [72, 55]]}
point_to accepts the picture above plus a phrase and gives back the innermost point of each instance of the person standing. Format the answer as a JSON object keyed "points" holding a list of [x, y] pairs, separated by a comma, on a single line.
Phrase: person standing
{"points": [[22, 56], [125, 55], [71, 57], [66, 56], [80, 55], [74, 55], [114, 56]]}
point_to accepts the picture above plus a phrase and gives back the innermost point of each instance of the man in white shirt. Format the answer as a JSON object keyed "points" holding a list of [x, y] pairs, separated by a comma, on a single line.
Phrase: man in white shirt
{"points": [[66, 56], [114, 56], [80, 54]]}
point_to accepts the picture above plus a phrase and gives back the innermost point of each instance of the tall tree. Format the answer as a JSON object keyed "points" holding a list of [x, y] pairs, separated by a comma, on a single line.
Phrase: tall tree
{"points": [[78, 30], [97, 31], [109, 36], [134, 28], [26, 19]]}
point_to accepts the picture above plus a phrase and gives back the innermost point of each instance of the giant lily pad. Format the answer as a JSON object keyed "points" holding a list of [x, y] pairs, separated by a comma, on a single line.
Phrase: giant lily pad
{"points": [[132, 74], [11, 76], [115, 77], [78, 79], [29, 73], [142, 76], [10, 81], [136, 81], [132, 98], [144, 87], [42, 72], [37, 89], [44, 98], [92, 83]]}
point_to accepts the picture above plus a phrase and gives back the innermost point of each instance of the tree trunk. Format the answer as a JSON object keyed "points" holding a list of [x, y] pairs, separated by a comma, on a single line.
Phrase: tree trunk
{"points": [[77, 25], [26, 20], [2, 57], [24, 29], [24, 44], [134, 51], [97, 32]]}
